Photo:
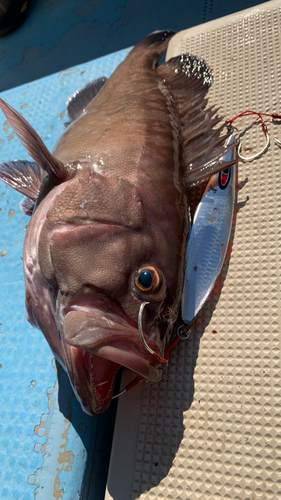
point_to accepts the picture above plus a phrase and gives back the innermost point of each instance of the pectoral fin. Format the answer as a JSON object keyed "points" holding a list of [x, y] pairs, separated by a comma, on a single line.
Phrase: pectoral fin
{"points": [[33, 143], [81, 98], [24, 176], [153, 46], [27, 206]]}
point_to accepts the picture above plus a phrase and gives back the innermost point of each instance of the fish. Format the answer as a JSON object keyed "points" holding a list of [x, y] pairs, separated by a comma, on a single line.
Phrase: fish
{"points": [[110, 212]]}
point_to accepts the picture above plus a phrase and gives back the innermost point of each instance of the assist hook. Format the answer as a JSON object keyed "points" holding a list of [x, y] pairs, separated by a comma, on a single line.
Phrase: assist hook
{"points": [[263, 150], [157, 356], [141, 332], [265, 131]]}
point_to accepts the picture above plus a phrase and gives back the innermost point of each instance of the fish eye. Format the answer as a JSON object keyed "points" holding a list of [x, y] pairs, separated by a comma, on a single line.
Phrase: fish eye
{"points": [[147, 279]]}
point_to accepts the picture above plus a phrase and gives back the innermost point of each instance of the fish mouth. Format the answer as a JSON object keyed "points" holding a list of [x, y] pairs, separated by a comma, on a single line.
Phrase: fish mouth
{"points": [[98, 341]]}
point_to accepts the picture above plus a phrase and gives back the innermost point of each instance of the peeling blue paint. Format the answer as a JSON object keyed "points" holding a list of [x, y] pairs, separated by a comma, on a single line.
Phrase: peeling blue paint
{"points": [[63, 451], [29, 391]]}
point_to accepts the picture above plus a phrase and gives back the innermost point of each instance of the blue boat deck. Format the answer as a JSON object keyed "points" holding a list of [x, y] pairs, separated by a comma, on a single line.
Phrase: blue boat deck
{"points": [[59, 34]]}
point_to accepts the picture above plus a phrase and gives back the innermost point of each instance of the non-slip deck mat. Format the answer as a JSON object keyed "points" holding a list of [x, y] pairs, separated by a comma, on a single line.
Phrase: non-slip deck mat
{"points": [[212, 427]]}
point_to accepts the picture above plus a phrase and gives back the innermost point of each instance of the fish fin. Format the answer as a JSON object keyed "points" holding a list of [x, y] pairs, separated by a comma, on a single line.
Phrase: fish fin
{"points": [[24, 176], [33, 143], [154, 44], [203, 168], [188, 78], [27, 205], [194, 197], [81, 98]]}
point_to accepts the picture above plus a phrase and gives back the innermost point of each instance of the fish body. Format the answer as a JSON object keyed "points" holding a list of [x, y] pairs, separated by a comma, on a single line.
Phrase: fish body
{"points": [[110, 215]]}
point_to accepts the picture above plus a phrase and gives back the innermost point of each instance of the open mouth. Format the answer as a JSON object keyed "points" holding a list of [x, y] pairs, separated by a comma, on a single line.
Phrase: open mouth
{"points": [[97, 343]]}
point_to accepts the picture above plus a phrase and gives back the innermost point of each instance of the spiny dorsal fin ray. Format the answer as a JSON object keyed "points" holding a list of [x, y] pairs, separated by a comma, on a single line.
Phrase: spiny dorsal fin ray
{"points": [[207, 165], [33, 143], [153, 45], [81, 98], [24, 176], [195, 136], [188, 79]]}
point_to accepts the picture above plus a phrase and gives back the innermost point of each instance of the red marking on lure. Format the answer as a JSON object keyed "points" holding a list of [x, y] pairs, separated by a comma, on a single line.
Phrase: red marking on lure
{"points": [[224, 178]]}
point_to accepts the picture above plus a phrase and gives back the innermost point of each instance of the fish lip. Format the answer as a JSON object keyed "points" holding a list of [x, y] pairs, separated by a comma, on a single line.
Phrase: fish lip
{"points": [[113, 339], [93, 366], [99, 326], [93, 369]]}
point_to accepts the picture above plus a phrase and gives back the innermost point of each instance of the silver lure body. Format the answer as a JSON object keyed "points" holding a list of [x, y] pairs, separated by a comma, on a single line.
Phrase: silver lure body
{"points": [[209, 239]]}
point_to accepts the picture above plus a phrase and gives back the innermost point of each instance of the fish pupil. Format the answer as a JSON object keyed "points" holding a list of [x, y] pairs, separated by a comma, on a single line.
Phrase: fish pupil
{"points": [[145, 279]]}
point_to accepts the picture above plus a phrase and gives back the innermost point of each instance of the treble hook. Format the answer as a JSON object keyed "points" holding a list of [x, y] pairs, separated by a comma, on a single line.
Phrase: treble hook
{"points": [[264, 149]]}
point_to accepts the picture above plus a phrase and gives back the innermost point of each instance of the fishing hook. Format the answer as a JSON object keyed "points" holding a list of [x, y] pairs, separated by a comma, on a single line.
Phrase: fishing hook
{"points": [[230, 127], [277, 142], [141, 332], [274, 116], [257, 155], [129, 386]]}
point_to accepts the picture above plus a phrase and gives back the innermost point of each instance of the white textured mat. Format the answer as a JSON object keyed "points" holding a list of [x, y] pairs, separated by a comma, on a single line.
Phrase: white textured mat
{"points": [[212, 427]]}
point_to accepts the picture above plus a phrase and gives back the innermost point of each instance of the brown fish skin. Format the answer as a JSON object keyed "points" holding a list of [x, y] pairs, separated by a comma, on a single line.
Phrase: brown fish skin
{"points": [[115, 201], [133, 214]]}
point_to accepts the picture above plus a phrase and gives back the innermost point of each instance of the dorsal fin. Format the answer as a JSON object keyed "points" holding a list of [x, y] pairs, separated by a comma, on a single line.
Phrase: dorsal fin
{"points": [[33, 143], [188, 79], [179, 68], [24, 176], [153, 46], [81, 98]]}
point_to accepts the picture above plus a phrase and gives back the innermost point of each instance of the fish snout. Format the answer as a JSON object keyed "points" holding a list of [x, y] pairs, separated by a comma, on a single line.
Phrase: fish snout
{"points": [[109, 336]]}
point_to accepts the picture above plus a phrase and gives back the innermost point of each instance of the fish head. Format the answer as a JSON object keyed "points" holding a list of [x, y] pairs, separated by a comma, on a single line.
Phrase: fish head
{"points": [[101, 262]]}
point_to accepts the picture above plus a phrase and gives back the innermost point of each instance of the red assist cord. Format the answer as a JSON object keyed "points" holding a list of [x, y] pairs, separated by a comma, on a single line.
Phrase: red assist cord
{"points": [[167, 359], [274, 116]]}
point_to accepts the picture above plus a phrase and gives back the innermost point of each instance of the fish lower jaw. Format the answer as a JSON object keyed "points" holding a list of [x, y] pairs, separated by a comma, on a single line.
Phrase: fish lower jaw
{"points": [[124, 356], [96, 345], [110, 337], [127, 353], [93, 374], [92, 378]]}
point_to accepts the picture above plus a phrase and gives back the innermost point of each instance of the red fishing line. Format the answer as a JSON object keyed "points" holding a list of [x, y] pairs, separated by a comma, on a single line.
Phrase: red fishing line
{"points": [[260, 115], [171, 346]]}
